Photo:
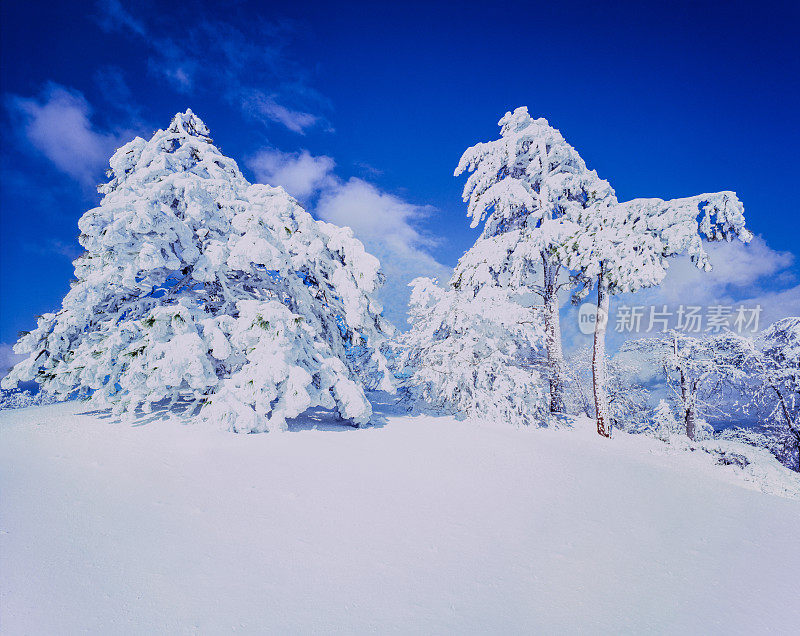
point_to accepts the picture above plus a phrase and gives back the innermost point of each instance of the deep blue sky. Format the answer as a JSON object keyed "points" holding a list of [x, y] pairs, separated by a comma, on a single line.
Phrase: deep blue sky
{"points": [[663, 99]]}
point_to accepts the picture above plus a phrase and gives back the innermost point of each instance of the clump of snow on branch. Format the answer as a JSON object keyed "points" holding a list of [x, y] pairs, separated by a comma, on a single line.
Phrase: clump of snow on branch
{"points": [[198, 286], [633, 241]]}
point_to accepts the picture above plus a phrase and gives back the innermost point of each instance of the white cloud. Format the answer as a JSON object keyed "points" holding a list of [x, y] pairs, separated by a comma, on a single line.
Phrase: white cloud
{"points": [[736, 268], [388, 227], [8, 358], [300, 174], [374, 214], [58, 125], [776, 304]]}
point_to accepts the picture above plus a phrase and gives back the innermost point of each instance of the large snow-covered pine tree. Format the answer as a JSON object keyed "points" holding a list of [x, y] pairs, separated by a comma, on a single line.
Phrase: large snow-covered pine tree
{"points": [[199, 286], [524, 185]]}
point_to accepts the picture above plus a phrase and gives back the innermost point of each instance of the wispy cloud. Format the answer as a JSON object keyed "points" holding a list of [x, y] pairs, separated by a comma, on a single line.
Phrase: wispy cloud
{"points": [[48, 247], [110, 81], [265, 107], [244, 63], [112, 15], [58, 125]]}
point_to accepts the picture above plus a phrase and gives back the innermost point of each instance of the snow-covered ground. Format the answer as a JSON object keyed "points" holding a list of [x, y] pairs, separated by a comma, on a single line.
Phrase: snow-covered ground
{"points": [[419, 525]]}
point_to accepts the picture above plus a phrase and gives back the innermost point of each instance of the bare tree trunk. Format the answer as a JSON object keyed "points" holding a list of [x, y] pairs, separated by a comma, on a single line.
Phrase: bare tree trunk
{"points": [[689, 400], [784, 408], [599, 358], [552, 328]]}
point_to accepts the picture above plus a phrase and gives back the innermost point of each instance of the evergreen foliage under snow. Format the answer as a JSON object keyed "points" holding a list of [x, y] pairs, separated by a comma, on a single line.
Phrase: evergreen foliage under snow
{"points": [[475, 355], [199, 286]]}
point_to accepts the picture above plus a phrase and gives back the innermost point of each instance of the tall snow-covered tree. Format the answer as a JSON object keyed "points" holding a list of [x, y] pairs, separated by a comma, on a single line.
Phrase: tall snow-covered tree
{"points": [[523, 186], [625, 247], [475, 355], [544, 211], [196, 285]]}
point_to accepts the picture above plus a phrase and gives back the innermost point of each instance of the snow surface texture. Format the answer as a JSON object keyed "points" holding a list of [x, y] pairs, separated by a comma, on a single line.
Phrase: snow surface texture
{"points": [[421, 525], [197, 285]]}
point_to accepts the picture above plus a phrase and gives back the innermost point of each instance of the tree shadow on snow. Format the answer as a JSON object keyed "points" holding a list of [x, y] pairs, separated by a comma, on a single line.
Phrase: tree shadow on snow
{"points": [[319, 419], [315, 418], [164, 410]]}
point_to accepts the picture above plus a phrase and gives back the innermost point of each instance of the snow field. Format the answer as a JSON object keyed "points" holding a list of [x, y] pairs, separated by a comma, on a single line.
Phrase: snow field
{"points": [[419, 525]]}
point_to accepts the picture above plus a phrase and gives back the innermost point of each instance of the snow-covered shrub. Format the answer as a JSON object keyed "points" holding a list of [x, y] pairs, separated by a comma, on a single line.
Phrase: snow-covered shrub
{"points": [[664, 422], [476, 355], [196, 285], [703, 430], [16, 399], [770, 436]]}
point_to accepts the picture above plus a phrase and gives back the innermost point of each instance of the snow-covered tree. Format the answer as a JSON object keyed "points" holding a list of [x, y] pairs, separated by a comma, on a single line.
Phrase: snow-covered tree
{"points": [[21, 399], [523, 185], [625, 247], [776, 386], [697, 368], [544, 211], [474, 355], [664, 421], [198, 286]]}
